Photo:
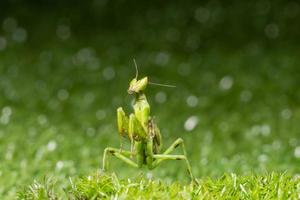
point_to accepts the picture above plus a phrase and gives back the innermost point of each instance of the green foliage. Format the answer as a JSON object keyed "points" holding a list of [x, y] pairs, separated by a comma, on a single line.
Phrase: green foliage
{"points": [[231, 186], [38, 191], [96, 186], [228, 186]]}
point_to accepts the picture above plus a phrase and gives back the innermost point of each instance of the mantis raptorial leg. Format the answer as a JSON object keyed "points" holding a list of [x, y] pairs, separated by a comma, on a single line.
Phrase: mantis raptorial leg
{"points": [[122, 121]]}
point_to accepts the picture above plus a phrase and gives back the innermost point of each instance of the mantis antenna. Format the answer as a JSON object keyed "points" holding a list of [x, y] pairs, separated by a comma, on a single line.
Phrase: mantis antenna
{"points": [[163, 85], [136, 69], [158, 84]]}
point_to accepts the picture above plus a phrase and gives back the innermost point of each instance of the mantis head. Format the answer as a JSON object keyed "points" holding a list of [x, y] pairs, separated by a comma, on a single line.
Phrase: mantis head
{"points": [[136, 86]]}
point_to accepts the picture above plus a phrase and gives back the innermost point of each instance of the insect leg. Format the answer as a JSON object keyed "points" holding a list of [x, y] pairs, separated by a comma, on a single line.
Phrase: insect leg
{"points": [[166, 156], [136, 132], [131, 130], [121, 154], [122, 120]]}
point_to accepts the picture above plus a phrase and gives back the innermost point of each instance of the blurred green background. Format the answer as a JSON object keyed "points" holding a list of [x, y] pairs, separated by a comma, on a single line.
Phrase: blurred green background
{"points": [[65, 68]]}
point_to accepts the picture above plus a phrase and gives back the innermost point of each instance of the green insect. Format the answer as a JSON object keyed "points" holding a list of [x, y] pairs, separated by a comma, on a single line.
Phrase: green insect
{"points": [[143, 133]]}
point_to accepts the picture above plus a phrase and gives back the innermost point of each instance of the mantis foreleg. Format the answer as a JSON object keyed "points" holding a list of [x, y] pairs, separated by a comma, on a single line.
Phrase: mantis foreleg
{"points": [[136, 131], [123, 121]]}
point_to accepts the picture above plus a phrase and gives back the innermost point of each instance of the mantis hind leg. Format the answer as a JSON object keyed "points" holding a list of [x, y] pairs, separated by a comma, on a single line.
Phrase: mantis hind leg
{"points": [[120, 154], [166, 156]]}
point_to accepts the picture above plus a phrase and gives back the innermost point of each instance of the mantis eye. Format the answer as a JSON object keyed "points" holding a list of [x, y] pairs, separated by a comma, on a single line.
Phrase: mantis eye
{"points": [[132, 84], [142, 84], [133, 81]]}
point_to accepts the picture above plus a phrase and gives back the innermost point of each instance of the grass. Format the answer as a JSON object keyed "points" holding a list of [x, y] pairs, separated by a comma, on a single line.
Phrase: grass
{"points": [[228, 186], [38, 190]]}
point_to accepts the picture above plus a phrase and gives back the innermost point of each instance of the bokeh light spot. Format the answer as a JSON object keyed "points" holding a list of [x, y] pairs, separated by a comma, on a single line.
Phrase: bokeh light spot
{"points": [[286, 113], [226, 83], [3, 43], [192, 101], [63, 32], [108, 73], [272, 31], [51, 146], [202, 15], [100, 114], [160, 97], [245, 96], [9, 24], [63, 95], [19, 35], [162, 58], [191, 123], [297, 152]]}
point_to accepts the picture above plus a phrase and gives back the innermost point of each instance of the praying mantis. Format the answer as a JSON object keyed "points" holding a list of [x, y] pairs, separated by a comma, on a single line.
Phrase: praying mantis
{"points": [[143, 133]]}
